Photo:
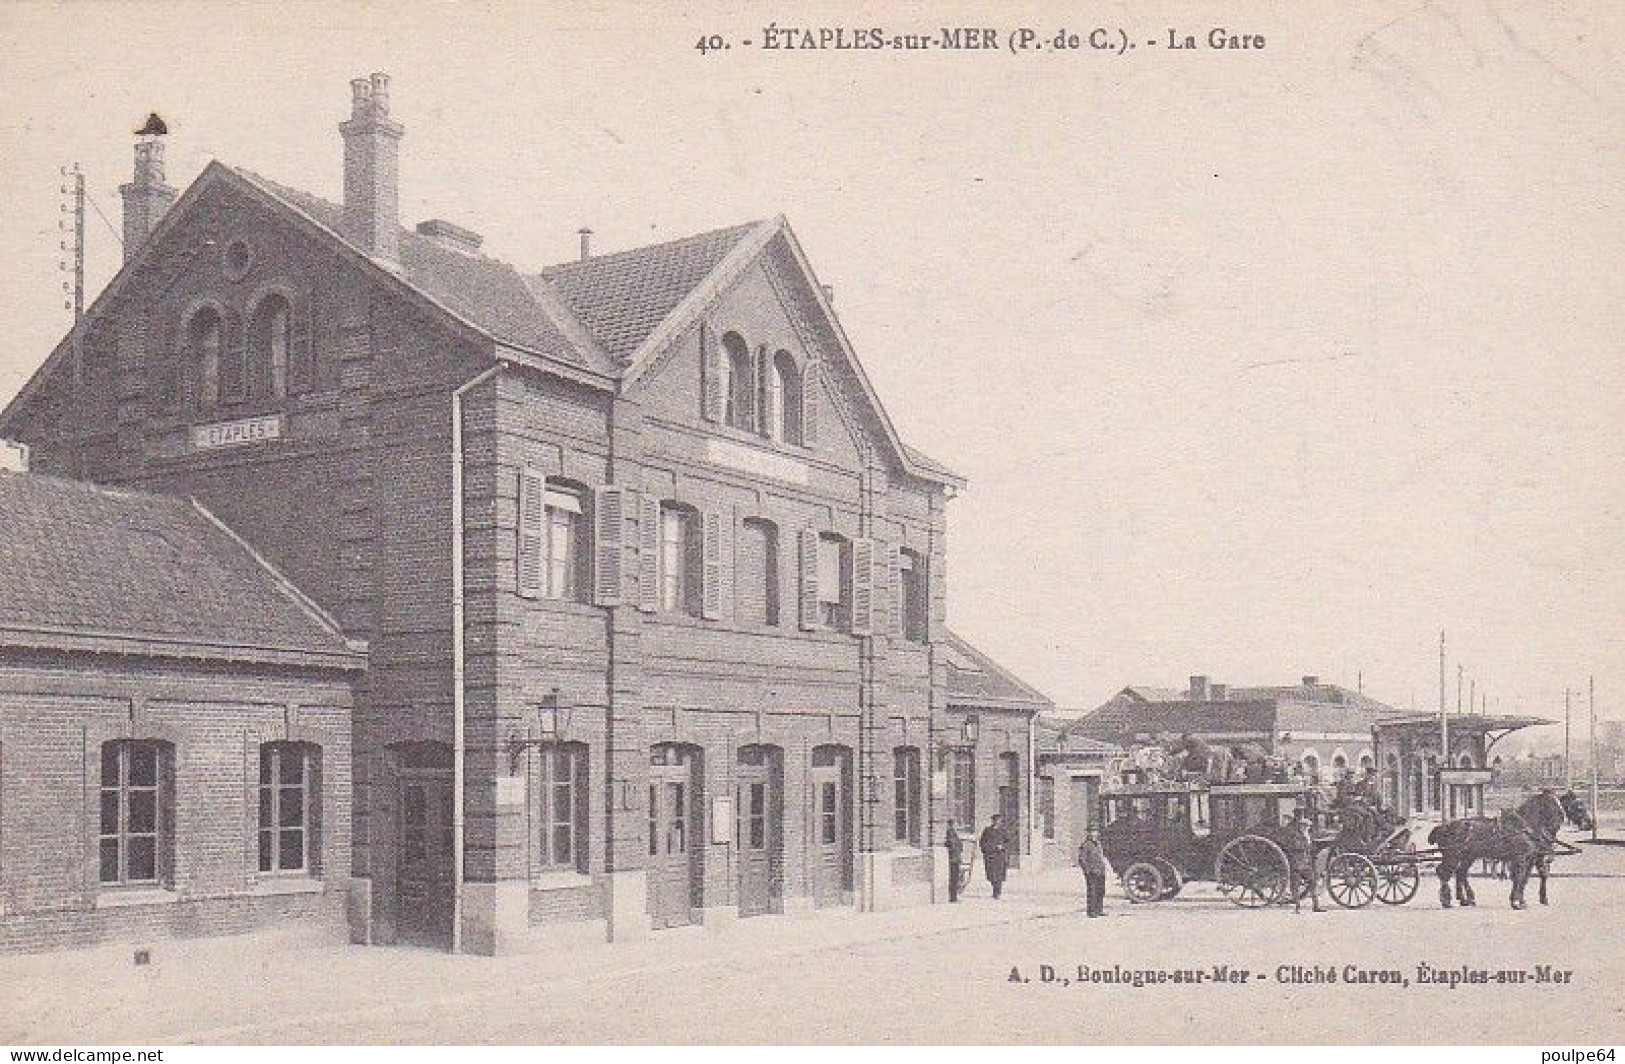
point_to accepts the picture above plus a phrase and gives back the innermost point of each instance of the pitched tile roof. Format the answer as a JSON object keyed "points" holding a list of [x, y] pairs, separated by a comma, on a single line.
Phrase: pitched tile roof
{"points": [[87, 567], [976, 679], [623, 296], [487, 293]]}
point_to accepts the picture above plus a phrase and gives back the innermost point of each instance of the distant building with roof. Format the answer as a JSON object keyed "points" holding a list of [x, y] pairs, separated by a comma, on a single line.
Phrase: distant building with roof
{"points": [[175, 726], [1323, 728], [654, 592]]}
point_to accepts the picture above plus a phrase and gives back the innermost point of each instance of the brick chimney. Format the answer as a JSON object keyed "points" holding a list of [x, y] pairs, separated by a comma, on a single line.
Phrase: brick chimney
{"points": [[146, 197], [372, 146], [1200, 690]]}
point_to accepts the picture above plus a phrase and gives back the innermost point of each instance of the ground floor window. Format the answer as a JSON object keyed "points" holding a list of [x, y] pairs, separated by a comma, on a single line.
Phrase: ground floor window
{"points": [[962, 787], [137, 784], [289, 791], [906, 794], [560, 806]]}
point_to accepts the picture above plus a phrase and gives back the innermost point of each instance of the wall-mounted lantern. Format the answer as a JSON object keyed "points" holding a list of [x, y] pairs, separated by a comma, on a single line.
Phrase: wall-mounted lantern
{"points": [[549, 724], [972, 728]]}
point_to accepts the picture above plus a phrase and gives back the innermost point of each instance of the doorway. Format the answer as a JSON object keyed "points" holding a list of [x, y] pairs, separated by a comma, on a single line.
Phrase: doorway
{"points": [[676, 834], [759, 829], [830, 853], [424, 870]]}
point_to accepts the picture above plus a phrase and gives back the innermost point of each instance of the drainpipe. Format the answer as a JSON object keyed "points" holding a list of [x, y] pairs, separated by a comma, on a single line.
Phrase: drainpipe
{"points": [[458, 743]]}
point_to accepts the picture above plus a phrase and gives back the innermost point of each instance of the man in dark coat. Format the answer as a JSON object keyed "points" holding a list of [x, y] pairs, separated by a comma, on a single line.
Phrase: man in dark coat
{"points": [[956, 853], [995, 853], [1302, 875], [1092, 859]]}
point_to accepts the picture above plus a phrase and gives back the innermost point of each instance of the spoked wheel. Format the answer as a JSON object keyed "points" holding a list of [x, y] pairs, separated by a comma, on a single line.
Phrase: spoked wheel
{"points": [[1351, 880], [1252, 872], [1143, 881], [1172, 881], [1397, 882]]}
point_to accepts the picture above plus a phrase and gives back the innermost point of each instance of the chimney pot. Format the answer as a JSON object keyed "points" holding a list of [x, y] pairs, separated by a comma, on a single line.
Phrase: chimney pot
{"points": [[372, 169], [146, 197]]}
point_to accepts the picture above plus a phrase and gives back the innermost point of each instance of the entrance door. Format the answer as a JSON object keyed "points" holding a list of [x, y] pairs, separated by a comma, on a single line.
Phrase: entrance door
{"points": [[676, 834], [831, 851], [759, 806], [423, 883], [1010, 803]]}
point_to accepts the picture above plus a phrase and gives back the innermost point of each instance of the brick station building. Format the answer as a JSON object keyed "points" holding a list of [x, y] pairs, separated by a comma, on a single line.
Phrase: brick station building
{"points": [[174, 726], [653, 591]]}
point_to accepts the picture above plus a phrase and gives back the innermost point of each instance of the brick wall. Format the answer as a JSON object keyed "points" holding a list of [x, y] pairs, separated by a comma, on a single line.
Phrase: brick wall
{"points": [[56, 711]]}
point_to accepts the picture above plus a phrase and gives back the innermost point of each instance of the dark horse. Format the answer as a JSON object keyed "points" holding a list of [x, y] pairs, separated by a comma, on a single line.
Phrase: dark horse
{"points": [[1522, 838]]}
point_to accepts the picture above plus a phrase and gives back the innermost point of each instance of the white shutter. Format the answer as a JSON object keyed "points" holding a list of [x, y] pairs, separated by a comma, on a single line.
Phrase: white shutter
{"points": [[711, 566], [532, 528], [809, 579], [609, 542], [863, 586], [649, 554]]}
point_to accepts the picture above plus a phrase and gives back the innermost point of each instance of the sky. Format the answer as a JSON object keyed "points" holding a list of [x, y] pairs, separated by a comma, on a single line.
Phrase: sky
{"points": [[1258, 363]]}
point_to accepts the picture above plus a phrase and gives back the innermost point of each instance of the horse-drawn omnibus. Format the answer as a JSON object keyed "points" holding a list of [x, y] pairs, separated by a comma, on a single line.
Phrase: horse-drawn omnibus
{"points": [[1162, 834]]}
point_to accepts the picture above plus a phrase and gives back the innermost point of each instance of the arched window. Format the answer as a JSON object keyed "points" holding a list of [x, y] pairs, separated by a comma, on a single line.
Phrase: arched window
{"points": [[781, 409], [1367, 762], [912, 595], [1311, 764], [740, 383], [757, 583], [137, 812], [1465, 760], [680, 561], [205, 337], [559, 806], [1340, 765], [834, 582], [906, 794], [290, 796], [268, 340]]}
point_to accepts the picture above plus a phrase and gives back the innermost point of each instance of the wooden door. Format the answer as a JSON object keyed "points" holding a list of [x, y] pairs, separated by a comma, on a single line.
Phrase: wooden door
{"points": [[830, 850], [759, 807], [424, 872], [1010, 804], [676, 835]]}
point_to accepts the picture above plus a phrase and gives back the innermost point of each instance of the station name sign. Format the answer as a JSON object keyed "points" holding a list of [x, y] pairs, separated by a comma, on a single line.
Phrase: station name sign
{"points": [[236, 433]]}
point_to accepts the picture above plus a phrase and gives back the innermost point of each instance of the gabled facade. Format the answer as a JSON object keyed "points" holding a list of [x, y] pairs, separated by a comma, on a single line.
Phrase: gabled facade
{"points": [[653, 591]]}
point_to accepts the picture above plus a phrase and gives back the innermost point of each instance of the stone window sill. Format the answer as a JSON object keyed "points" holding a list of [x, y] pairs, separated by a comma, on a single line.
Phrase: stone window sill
{"points": [[566, 880], [116, 898], [288, 885]]}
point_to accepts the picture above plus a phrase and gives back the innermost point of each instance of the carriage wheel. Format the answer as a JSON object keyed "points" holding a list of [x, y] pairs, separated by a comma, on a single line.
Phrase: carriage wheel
{"points": [[1351, 880], [1252, 872], [1172, 881], [1397, 882], [1143, 882]]}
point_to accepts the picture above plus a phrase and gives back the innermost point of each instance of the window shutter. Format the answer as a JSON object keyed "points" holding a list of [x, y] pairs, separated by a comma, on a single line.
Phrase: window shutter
{"points": [[809, 403], [863, 586], [301, 351], [894, 579], [648, 554], [233, 359], [711, 375], [532, 527], [809, 579], [609, 538], [711, 567]]}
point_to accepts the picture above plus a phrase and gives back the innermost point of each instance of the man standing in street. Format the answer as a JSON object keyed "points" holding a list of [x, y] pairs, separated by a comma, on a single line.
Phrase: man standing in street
{"points": [[956, 853], [1092, 859], [995, 853], [1300, 860]]}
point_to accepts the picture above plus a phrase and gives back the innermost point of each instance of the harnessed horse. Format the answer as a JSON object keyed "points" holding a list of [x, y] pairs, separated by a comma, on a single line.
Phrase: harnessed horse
{"points": [[1522, 838]]}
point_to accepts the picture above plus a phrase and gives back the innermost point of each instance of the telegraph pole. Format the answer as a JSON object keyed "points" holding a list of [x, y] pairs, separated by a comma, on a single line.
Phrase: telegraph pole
{"points": [[1444, 718], [73, 205], [1592, 683], [1568, 724]]}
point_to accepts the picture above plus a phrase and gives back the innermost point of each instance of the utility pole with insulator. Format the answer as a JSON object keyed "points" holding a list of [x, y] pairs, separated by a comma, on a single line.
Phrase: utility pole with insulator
{"points": [[72, 227], [1592, 682]]}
